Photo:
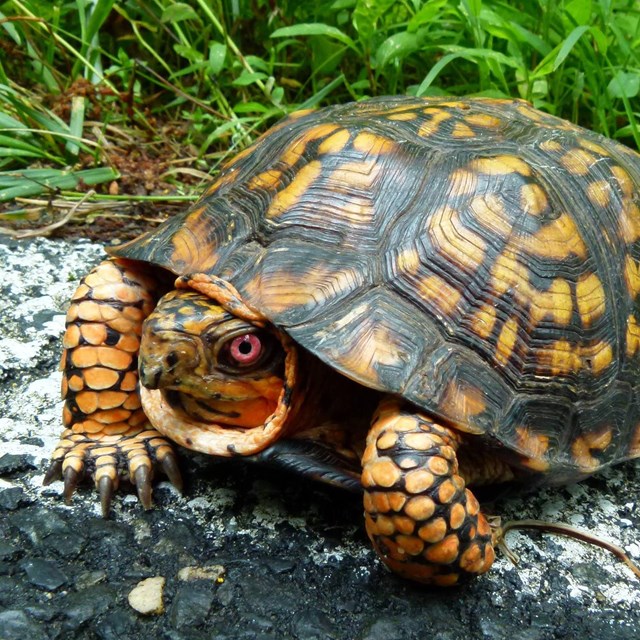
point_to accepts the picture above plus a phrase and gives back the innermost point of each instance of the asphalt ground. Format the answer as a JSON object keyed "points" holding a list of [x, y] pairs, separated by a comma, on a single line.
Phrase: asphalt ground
{"points": [[277, 556]]}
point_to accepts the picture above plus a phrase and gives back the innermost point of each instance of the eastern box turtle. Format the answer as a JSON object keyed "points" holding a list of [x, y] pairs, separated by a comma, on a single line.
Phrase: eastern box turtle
{"points": [[405, 295]]}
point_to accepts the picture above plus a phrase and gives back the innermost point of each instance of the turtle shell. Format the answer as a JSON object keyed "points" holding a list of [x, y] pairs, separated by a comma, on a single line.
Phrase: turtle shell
{"points": [[478, 257]]}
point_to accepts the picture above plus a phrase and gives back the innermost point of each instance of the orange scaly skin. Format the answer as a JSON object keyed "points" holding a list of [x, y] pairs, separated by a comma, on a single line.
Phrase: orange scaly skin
{"points": [[106, 428], [422, 521]]}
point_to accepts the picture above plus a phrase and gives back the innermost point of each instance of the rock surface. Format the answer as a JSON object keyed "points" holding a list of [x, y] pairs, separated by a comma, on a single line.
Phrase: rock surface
{"points": [[296, 561]]}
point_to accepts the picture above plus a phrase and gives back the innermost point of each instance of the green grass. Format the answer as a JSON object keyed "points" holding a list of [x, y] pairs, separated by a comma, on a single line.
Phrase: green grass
{"points": [[170, 89]]}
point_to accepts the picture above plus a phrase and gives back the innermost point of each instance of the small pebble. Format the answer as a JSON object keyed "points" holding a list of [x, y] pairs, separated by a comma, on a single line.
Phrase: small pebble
{"points": [[146, 596], [89, 579], [213, 572]]}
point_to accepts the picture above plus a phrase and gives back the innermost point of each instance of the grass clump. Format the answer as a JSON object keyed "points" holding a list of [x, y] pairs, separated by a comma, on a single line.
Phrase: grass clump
{"points": [[155, 94]]}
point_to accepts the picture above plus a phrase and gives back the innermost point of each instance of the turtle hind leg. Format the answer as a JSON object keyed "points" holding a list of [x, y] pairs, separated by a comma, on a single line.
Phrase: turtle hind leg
{"points": [[107, 433], [422, 520]]}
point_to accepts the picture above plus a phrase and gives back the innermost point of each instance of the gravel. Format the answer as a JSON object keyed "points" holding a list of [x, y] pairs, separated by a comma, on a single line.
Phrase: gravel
{"points": [[291, 559]]}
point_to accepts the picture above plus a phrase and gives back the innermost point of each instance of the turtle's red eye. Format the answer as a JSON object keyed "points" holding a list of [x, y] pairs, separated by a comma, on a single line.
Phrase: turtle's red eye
{"points": [[245, 350]]}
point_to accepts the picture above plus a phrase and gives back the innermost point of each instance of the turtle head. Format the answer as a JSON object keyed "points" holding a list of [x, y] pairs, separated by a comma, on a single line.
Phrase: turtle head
{"points": [[210, 380]]}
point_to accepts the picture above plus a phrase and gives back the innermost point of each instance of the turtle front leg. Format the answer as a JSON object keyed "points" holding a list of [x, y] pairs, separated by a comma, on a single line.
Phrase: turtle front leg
{"points": [[107, 433], [422, 520]]}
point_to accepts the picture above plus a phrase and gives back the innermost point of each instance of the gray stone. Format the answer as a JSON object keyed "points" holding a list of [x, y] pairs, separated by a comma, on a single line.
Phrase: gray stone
{"points": [[81, 607], [8, 588], [312, 624], [116, 626], [37, 522], [178, 539], [15, 625], [10, 464], [281, 565], [259, 626], [589, 573], [225, 594], [385, 629], [8, 550], [190, 606], [42, 612], [11, 498], [44, 574]]}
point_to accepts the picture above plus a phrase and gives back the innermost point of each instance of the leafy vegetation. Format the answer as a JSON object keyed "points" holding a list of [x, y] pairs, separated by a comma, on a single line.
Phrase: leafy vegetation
{"points": [[160, 92]]}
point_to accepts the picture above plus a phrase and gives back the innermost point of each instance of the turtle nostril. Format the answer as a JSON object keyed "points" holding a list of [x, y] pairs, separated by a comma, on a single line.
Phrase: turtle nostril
{"points": [[150, 377], [172, 359]]}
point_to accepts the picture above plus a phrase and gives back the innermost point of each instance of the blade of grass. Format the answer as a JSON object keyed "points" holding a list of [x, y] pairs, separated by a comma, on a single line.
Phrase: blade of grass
{"points": [[315, 29], [98, 11], [206, 9], [13, 146], [472, 55], [76, 124], [568, 44], [317, 97], [30, 183], [63, 43]]}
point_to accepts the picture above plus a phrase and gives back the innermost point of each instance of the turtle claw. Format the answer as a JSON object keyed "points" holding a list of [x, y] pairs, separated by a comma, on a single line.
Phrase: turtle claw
{"points": [[142, 480], [71, 480], [53, 473], [172, 471], [133, 455], [105, 490]]}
